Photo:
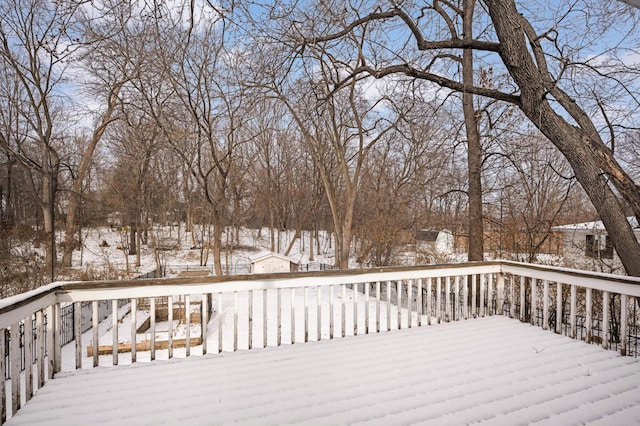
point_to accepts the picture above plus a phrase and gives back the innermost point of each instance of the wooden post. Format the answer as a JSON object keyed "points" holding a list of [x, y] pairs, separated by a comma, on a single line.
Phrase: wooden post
{"points": [[465, 296], [51, 341], [187, 322], [481, 313], [235, 321], [500, 298], [490, 292], [170, 326], [605, 320], [588, 319], [331, 311], [447, 299], [344, 310], [28, 357], [293, 315], [306, 314], [134, 329], [14, 367], [114, 330], [366, 307], [558, 308], [456, 298], [429, 297], [95, 331], [409, 302], [534, 301], [77, 312], [439, 299], [152, 326], [355, 309], [623, 324], [204, 319], [279, 312], [388, 283], [474, 295], [512, 297], [265, 334], [572, 320], [40, 349], [56, 340]]}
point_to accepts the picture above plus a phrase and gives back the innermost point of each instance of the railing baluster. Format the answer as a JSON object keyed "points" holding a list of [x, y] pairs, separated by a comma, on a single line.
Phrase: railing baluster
{"points": [[419, 306], [331, 313], [605, 320], [572, 320], [28, 357], [512, 297], [134, 330], [279, 314], [490, 291], [152, 326], [399, 302], [170, 325], [3, 375], [40, 349], [534, 301], [366, 307], [588, 319], [204, 319], [114, 330], [250, 330], [319, 309], [293, 315], [545, 304], [500, 298], [344, 309], [439, 299], [77, 312], [429, 302], [14, 367], [187, 323], [409, 303], [355, 309], [623, 324], [523, 300], [235, 321], [95, 331], [52, 331], [265, 334], [377, 306], [56, 342], [306, 314], [474, 295], [221, 318], [465, 296], [388, 283], [482, 312], [447, 299], [456, 298], [558, 307]]}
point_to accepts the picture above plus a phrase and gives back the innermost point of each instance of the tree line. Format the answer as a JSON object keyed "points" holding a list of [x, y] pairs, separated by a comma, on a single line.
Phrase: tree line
{"points": [[369, 120]]}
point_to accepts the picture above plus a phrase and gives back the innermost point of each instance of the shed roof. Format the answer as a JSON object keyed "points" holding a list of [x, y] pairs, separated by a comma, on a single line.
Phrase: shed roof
{"points": [[595, 225], [266, 254]]}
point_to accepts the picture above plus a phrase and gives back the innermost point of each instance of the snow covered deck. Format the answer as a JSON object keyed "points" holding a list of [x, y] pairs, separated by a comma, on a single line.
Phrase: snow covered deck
{"points": [[491, 370]]}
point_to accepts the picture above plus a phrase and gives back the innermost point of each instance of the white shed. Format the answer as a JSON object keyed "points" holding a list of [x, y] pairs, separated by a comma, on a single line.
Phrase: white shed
{"points": [[434, 241], [268, 262]]}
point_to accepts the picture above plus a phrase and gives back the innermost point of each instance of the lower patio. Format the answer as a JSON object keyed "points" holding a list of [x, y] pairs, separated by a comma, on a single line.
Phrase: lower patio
{"points": [[490, 370]]}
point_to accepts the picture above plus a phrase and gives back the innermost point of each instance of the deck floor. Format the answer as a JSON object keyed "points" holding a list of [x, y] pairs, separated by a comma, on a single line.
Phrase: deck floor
{"points": [[491, 371]]}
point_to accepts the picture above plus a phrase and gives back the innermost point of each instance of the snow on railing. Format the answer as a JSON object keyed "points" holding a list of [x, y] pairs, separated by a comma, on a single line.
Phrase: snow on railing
{"points": [[244, 312]]}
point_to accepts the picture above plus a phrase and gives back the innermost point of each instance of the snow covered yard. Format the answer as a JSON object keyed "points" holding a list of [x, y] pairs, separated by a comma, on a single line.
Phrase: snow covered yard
{"points": [[491, 370]]}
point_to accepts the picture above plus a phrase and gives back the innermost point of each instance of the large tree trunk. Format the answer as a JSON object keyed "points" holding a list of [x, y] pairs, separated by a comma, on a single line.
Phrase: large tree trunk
{"points": [[474, 150], [581, 146]]}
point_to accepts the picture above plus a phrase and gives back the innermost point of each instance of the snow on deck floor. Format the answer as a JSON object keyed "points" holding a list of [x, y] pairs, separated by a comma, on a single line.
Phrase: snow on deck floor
{"points": [[492, 370]]}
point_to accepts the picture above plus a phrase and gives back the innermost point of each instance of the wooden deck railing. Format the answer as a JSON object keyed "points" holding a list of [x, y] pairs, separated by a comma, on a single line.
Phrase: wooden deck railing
{"points": [[259, 310]]}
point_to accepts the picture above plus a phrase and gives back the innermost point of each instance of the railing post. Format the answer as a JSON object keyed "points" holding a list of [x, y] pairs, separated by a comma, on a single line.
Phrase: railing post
{"points": [[490, 291], [134, 329], [114, 330], [447, 299], [559, 308], [388, 305], [354, 306], [40, 349], [429, 301], [474, 295], [306, 314], [235, 321], [187, 322], [219, 297], [605, 319], [53, 339], [534, 301], [170, 326], [456, 298], [512, 297], [28, 357], [399, 302], [250, 331], [319, 315], [331, 313], [77, 327], [152, 326], [545, 304], [279, 315], [265, 334], [419, 303], [3, 375], [366, 307], [623, 324], [293, 315], [204, 319], [409, 302], [481, 313], [343, 309], [377, 306], [439, 299]]}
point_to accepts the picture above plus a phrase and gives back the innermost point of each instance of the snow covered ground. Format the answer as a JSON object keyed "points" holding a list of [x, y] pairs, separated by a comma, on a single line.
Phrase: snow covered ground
{"points": [[491, 370]]}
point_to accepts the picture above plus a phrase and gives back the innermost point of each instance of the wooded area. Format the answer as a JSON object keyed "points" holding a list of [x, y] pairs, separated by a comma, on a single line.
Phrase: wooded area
{"points": [[369, 120]]}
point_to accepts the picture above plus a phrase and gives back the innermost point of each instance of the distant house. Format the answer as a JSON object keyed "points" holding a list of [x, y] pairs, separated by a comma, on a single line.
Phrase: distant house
{"points": [[590, 239], [267, 262], [435, 241]]}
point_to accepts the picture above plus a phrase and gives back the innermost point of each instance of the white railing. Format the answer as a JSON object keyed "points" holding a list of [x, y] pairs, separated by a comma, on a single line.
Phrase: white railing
{"points": [[244, 312]]}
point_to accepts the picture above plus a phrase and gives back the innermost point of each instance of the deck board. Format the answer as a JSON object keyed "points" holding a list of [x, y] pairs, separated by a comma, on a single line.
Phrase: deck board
{"points": [[491, 370]]}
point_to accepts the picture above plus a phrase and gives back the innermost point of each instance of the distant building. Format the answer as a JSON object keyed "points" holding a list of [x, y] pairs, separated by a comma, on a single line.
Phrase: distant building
{"points": [[590, 240], [434, 241], [267, 262]]}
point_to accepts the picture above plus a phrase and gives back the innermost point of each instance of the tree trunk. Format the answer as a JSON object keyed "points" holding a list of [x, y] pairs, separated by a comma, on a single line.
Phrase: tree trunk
{"points": [[474, 150], [575, 142]]}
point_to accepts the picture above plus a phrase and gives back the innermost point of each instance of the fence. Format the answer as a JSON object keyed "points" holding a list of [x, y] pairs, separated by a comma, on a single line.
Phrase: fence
{"points": [[598, 308]]}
